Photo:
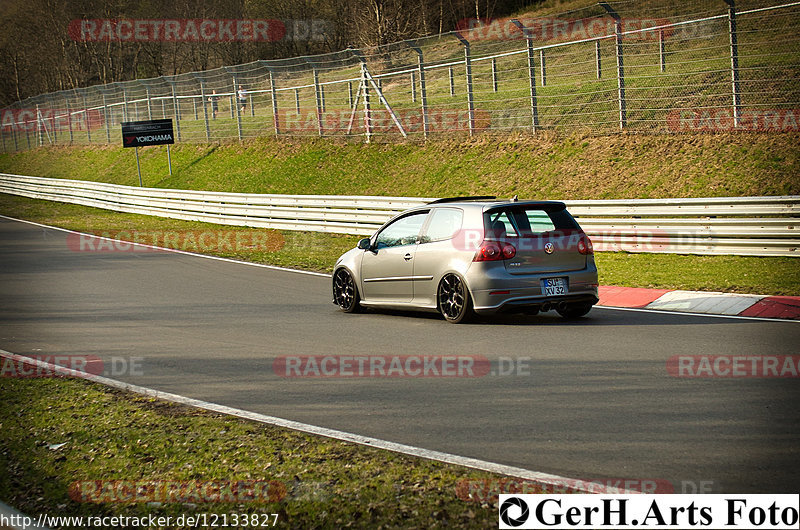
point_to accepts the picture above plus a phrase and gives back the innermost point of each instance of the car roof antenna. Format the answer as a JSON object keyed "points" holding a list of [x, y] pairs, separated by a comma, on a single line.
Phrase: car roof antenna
{"points": [[514, 199]]}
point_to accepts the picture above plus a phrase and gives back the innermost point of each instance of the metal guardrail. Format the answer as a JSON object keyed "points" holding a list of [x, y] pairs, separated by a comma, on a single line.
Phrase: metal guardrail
{"points": [[747, 226]]}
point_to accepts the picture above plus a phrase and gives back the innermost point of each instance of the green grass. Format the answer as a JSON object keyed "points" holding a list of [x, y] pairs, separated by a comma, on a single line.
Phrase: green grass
{"points": [[318, 251], [109, 435], [546, 167]]}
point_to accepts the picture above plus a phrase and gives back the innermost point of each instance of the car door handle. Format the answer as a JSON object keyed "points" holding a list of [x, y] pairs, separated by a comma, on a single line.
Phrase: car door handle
{"points": [[407, 257]]}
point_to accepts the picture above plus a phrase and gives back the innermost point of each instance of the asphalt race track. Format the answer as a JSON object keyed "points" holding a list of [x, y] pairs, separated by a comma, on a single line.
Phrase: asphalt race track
{"points": [[597, 403]]}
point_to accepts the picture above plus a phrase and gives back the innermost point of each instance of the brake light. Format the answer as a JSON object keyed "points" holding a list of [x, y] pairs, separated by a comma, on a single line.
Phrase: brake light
{"points": [[495, 251], [585, 245]]}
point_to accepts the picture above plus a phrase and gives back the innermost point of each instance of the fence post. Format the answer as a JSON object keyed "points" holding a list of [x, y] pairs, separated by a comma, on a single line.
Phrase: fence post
{"points": [[105, 116], [531, 75], [28, 134], [661, 50], [623, 113], [317, 97], [274, 97], [597, 58], [350, 94], [203, 102], [39, 126], [14, 134], [734, 43], [297, 100], [149, 103], [542, 67], [470, 98], [194, 106], [413, 87], [494, 74], [452, 81], [367, 108], [69, 118], [238, 110], [86, 119], [423, 91], [177, 111], [125, 104]]}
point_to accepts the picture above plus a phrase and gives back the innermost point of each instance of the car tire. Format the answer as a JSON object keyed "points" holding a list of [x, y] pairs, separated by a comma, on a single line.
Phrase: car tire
{"points": [[345, 292], [575, 310], [453, 299]]}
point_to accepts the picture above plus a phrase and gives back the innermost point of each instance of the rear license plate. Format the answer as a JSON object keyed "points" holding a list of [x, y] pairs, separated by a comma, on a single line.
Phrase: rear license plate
{"points": [[554, 286]]}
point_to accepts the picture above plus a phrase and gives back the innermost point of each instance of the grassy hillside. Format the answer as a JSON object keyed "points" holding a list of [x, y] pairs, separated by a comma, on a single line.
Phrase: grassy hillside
{"points": [[548, 166]]}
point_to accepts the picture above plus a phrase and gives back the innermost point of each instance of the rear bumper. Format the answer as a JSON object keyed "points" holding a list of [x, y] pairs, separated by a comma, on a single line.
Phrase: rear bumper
{"points": [[539, 304], [497, 291]]}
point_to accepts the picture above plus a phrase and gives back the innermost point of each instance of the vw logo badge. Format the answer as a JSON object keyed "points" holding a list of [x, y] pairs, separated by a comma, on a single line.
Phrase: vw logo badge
{"points": [[549, 248]]}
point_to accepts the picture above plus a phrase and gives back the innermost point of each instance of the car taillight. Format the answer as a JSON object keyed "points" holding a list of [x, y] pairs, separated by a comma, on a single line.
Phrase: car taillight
{"points": [[495, 251], [585, 245]]}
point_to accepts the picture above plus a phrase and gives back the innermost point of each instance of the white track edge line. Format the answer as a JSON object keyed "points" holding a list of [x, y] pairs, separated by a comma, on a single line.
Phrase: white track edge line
{"points": [[438, 456], [326, 275]]}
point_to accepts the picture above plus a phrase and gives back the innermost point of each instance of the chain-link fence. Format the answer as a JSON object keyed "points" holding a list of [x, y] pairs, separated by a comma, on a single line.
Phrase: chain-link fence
{"points": [[607, 67]]}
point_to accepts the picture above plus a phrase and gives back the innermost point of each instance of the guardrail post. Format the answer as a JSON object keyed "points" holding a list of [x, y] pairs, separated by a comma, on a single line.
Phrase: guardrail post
{"points": [[423, 92], [274, 98], [662, 50], [531, 74], [597, 58], [734, 44], [623, 113], [468, 71], [494, 74]]}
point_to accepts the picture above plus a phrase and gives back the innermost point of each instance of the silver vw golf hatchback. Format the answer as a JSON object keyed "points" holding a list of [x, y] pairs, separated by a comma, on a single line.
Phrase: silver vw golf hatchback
{"points": [[468, 255]]}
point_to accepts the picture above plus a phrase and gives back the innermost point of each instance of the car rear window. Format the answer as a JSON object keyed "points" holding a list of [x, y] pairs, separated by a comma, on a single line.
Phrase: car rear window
{"points": [[514, 221]]}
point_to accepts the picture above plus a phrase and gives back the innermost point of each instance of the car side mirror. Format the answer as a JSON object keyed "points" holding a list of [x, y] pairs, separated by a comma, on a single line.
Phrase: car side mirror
{"points": [[364, 244]]}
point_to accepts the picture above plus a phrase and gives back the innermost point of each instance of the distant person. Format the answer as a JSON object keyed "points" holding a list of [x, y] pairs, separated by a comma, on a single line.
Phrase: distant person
{"points": [[214, 100], [242, 94]]}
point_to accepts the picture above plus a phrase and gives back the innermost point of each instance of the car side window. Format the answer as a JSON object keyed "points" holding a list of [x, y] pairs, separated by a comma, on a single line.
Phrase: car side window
{"points": [[403, 231], [444, 223]]}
